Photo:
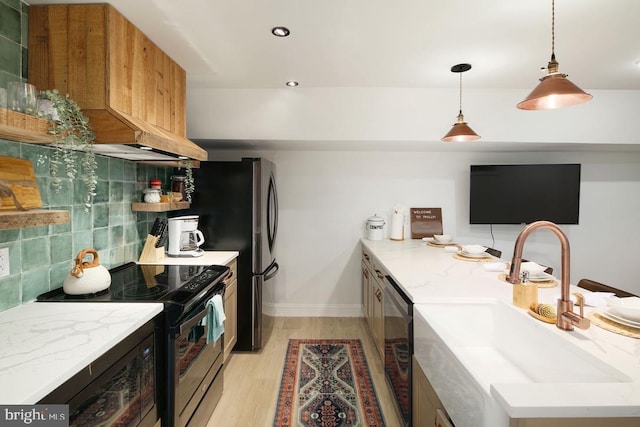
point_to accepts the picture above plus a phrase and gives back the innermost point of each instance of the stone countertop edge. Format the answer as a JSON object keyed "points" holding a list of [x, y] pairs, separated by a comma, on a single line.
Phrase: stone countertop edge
{"points": [[431, 275], [45, 344]]}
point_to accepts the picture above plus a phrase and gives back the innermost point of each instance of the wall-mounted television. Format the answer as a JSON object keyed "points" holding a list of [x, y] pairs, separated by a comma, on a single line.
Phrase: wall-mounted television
{"points": [[521, 194]]}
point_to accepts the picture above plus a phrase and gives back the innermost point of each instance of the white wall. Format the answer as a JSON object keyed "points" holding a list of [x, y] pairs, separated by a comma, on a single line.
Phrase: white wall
{"points": [[314, 116], [326, 196]]}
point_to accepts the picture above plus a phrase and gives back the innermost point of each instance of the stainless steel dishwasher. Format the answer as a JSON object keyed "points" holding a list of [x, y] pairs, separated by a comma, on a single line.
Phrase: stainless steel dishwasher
{"points": [[398, 345]]}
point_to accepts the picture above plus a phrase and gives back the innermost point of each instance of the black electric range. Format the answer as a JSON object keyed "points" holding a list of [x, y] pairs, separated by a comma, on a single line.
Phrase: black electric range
{"points": [[188, 368], [180, 287]]}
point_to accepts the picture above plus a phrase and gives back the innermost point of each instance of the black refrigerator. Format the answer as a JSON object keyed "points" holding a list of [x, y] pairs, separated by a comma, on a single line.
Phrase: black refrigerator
{"points": [[237, 203]]}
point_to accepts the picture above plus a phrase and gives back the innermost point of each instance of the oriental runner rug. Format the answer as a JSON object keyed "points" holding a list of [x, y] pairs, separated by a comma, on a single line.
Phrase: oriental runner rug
{"points": [[326, 383]]}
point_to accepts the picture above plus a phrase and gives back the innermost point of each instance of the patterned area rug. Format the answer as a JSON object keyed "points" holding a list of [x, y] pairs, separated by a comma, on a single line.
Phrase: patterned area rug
{"points": [[326, 383]]}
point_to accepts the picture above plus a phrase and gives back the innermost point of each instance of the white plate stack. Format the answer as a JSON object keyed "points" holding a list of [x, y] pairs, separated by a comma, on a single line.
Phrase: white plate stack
{"points": [[625, 311]]}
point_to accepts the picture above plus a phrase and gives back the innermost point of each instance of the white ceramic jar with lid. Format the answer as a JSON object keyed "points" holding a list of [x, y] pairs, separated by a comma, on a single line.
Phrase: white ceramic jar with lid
{"points": [[375, 228]]}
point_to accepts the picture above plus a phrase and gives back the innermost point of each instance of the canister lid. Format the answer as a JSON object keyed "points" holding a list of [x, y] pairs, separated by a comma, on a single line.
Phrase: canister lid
{"points": [[375, 219]]}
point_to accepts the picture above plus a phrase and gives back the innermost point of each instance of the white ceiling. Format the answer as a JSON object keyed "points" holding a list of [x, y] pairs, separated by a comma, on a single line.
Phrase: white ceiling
{"points": [[397, 56], [380, 43]]}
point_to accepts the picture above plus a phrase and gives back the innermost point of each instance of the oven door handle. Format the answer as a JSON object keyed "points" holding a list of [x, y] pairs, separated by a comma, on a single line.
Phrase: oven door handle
{"points": [[186, 326]]}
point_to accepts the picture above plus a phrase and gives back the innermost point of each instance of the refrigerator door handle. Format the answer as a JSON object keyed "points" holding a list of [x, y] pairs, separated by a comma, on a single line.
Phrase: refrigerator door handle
{"points": [[270, 271]]}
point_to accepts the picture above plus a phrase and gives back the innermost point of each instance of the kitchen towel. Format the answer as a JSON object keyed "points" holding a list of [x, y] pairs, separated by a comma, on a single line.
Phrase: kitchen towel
{"points": [[215, 318]]}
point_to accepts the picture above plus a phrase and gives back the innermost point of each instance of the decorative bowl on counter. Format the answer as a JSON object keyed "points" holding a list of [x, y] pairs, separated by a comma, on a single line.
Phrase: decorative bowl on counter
{"points": [[473, 249], [628, 307], [442, 238]]}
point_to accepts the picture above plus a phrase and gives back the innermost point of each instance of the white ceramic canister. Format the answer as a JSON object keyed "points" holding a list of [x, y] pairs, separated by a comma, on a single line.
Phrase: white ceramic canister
{"points": [[375, 228]]}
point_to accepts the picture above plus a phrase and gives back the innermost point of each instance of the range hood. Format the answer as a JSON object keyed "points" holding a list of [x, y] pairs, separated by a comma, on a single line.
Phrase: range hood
{"points": [[132, 92], [121, 135]]}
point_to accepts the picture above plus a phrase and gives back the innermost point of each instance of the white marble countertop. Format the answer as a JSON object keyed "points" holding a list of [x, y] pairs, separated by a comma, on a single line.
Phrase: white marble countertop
{"points": [[45, 344], [431, 275], [208, 258]]}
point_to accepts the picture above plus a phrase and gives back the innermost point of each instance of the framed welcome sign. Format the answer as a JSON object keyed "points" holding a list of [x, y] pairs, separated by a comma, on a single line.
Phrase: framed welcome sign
{"points": [[425, 222]]}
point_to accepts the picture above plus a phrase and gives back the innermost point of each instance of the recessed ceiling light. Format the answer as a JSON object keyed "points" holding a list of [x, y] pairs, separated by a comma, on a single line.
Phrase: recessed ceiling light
{"points": [[280, 31], [292, 83]]}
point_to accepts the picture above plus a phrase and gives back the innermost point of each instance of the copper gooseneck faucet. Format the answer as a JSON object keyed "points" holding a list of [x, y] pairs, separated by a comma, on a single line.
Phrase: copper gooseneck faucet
{"points": [[567, 319]]}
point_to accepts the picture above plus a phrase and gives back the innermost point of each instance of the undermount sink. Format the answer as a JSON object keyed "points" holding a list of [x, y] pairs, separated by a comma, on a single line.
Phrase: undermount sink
{"points": [[470, 349]]}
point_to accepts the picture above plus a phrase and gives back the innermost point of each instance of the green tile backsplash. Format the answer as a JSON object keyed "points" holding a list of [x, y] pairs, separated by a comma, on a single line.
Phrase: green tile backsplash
{"points": [[14, 19], [41, 257]]}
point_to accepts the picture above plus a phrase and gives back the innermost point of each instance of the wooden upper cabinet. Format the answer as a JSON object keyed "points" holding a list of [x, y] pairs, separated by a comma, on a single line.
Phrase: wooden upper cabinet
{"points": [[144, 82], [127, 86]]}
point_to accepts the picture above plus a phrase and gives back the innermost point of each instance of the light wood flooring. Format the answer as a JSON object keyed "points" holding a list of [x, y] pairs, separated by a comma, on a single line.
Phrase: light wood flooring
{"points": [[252, 380]]}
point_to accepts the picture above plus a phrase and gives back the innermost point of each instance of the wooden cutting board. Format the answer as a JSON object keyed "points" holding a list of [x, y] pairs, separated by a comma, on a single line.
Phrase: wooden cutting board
{"points": [[19, 175]]}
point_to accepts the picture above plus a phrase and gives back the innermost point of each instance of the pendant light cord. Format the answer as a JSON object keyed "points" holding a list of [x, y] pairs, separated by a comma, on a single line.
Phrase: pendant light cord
{"points": [[553, 29], [460, 93]]}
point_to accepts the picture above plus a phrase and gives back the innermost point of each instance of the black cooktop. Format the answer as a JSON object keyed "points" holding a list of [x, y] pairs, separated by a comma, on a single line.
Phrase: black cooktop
{"points": [[133, 282]]}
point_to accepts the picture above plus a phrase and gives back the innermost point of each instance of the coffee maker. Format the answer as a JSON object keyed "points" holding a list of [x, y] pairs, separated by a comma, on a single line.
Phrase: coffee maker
{"points": [[184, 237]]}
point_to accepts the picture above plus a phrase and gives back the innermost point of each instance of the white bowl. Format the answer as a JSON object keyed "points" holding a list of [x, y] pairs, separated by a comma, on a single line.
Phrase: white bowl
{"points": [[534, 269], [442, 238], [474, 249], [628, 307]]}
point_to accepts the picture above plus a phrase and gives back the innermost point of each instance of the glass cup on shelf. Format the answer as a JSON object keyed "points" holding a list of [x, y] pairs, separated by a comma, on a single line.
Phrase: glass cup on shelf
{"points": [[21, 97]]}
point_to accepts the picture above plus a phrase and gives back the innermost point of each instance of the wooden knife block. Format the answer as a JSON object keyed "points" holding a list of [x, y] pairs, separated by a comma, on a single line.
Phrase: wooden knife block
{"points": [[151, 254]]}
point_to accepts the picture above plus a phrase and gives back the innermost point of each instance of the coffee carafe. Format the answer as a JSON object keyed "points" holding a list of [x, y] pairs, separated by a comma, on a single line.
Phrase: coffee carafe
{"points": [[184, 237]]}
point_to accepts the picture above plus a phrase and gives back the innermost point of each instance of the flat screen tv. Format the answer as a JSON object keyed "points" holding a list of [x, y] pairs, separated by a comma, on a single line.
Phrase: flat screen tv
{"points": [[521, 194]]}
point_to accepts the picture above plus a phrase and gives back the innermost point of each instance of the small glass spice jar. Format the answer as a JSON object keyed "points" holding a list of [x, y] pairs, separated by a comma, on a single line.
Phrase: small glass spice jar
{"points": [[178, 185], [152, 195]]}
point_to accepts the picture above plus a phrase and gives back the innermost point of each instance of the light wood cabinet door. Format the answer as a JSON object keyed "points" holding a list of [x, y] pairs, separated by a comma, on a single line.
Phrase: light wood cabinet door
{"points": [[230, 311], [366, 292], [377, 315], [373, 300], [427, 408]]}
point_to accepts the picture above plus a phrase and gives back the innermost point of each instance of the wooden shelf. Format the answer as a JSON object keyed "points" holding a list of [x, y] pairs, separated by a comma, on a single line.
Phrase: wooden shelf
{"points": [[32, 218], [159, 207], [23, 127]]}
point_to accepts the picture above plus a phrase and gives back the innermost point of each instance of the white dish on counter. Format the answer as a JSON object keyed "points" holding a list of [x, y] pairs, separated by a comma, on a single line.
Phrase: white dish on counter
{"points": [[628, 307], [607, 313], [544, 277], [474, 255], [442, 238], [473, 249]]}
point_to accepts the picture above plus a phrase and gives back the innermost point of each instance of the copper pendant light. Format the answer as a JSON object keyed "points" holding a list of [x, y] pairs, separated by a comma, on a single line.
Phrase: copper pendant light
{"points": [[460, 130], [554, 90]]}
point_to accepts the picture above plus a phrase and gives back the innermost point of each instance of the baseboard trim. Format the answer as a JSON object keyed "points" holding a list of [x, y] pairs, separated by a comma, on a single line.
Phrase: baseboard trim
{"points": [[312, 310]]}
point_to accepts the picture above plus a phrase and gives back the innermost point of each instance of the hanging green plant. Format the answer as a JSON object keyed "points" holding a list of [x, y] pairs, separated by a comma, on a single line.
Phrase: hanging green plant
{"points": [[189, 183], [71, 133]]}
